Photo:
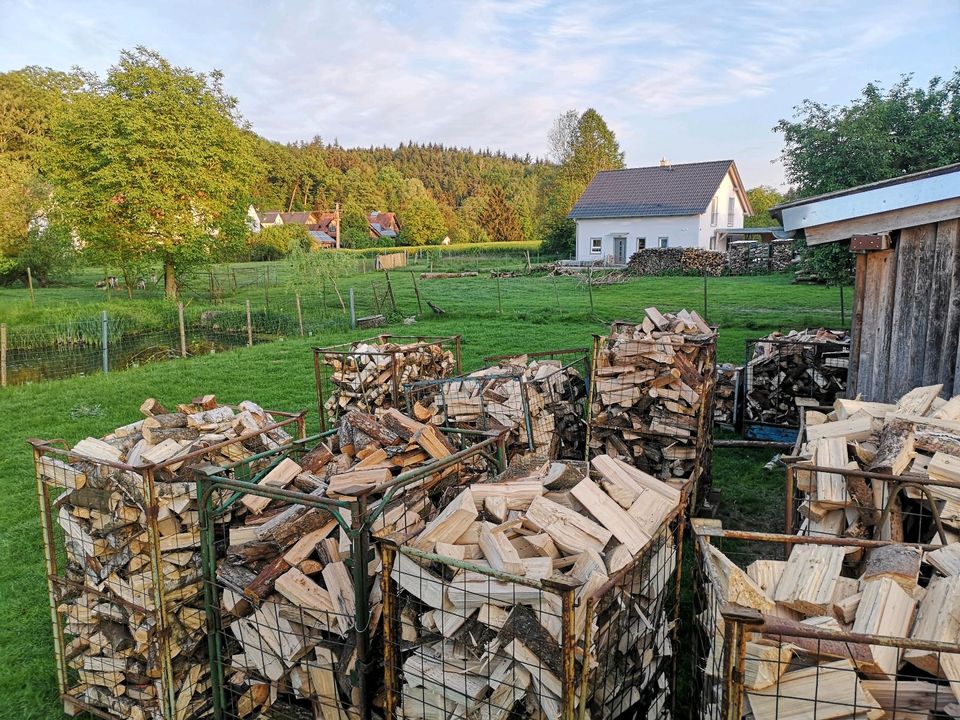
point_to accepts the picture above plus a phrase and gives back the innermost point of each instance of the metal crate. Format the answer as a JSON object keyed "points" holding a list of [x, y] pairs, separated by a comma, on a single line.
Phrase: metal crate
{"points": [[726, 671], [100, 520], [500, 645], [307, 661], [347, 353], [774, 414]]}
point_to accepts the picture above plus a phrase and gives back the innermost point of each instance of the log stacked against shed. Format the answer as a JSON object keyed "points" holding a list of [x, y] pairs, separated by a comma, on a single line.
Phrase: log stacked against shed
{"points": [[287, 593], [363, 377], [474, 643], [917, 438], [893, 590], [501, 397], [652, 383], [114, 628], [790, 369]]}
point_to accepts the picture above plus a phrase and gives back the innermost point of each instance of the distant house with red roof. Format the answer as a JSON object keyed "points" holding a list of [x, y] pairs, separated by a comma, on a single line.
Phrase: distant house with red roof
{"points": [[384, 225]]}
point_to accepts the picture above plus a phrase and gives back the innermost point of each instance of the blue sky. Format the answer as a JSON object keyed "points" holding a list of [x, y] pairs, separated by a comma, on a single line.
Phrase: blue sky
{"points": [[686, 80]]}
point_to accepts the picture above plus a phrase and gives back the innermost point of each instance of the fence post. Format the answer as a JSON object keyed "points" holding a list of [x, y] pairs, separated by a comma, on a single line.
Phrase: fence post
{"points": [[299, 314], [704, 295], [590, 286], [353, 312], [556, 292], [104, 334], [3, 355], [393, 301], [842, 318], [183, 330], [416, 291], [499, 298], [249, 327], [33, 300]]}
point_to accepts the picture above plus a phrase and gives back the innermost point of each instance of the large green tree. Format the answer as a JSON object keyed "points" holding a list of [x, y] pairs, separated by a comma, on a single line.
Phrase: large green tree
{"points": [[880, 135], [762, 198], [153, 162], [499, 219]]}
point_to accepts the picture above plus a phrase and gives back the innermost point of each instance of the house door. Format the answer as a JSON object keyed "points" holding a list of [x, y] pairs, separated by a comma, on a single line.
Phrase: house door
{"points": [[620, 249]]}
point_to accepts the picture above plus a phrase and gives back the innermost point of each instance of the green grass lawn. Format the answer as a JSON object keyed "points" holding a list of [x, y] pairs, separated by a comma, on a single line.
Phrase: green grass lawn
{"points": [[280, 375]]}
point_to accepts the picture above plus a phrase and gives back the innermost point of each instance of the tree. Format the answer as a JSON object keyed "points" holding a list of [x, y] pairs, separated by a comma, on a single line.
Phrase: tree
{"points": [[880, 135], [422, 222], [593, 148], [560, 239], [278, 241], [762, 198], [153, 162], [562, 135], [499, 219]]}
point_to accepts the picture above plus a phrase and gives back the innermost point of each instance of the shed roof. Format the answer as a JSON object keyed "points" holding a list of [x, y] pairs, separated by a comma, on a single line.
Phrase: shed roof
{"points": [[684, 189]]}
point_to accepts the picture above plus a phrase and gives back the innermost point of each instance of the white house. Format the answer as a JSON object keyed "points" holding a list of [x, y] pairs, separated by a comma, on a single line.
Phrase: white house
{"points": [[623, 211]]}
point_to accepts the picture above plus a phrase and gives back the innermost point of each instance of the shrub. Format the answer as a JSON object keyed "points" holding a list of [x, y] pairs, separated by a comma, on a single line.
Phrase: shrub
{"points": [[277, 242]]}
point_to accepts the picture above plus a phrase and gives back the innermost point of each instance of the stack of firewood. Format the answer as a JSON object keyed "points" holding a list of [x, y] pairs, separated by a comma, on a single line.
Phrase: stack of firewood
{"points": [[367, 377], [474, 643], [653, 384], [917, 438], [287, 592], [117, 634], [725, 395], [805, 365], [505, 395], [893, 590]]}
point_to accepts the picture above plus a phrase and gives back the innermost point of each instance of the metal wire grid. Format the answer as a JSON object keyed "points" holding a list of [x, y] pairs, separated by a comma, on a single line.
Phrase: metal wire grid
{"points": [[308, 645], [336, 396], [792, 369], [880, 503], [636, 412], [121, 545], [747, 663], [727, 396], [464, 640]]}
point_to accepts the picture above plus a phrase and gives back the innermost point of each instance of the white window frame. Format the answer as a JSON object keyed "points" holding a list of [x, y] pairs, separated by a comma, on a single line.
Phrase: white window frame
{"points": [[641, 244], [596, 245], [731, 210], [663, 241], [714, 211]]}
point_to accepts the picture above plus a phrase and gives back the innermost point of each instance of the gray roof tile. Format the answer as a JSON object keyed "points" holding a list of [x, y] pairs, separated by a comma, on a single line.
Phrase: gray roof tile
{"points": [[651, 191]]}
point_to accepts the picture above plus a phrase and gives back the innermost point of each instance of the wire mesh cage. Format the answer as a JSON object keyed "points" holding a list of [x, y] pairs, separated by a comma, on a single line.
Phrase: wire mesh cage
{"points": [[557, 633], [121, 543], [538, 398], [290, 571], [726, 411], [370, 374], [771, 643], [652, 399], [779, 371]]}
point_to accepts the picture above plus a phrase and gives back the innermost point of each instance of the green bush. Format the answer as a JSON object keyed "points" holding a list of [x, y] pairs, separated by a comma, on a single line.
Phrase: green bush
{"points": [[277, 242], [46, 252]]}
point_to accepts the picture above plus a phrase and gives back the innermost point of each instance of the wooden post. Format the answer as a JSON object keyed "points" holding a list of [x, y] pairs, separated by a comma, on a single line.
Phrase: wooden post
{"points": [[590, 286], [556, 292], [364, 261], [266, 291], [416, 291], [704, 295], [299, 314], [528, 261], [183, 330], [499, 298], [3, 355], [353, 312], [33, 300], [842, 315], [393, 300], [104, 335], [233, 276], [249, 327]]}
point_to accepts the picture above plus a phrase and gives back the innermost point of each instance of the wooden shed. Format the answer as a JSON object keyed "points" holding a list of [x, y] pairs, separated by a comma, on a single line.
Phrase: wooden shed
{"points": [[906, 315]]}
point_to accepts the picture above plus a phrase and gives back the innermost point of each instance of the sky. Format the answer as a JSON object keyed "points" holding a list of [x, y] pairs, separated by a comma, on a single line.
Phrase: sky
{"points": [[688, 81]]}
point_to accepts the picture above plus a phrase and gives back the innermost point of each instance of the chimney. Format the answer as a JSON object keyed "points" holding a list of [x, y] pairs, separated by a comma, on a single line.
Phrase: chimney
{"points": [[664, 163]]}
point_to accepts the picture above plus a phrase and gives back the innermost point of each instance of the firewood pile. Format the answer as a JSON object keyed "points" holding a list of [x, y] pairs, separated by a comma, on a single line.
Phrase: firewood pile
{"points": [[548, 393], [805, 365], [121, 625], [652, 393], [288, 598], [370, 376], [471, 642], [667, 261], [725, 394], [892, 590], [917, 438]]}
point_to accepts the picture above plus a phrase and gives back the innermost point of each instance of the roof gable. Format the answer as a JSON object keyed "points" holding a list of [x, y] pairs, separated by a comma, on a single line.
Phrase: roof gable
{"points": [[684, 189]]}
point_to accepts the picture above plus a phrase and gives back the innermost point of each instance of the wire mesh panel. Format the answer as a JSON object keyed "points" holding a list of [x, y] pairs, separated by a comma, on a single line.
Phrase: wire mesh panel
{"points": [[370, 374], [727, 396], [810, 366], [292, 563], [517, 620], [538, 398], [823, 628], [121, 542], [652, 396]]}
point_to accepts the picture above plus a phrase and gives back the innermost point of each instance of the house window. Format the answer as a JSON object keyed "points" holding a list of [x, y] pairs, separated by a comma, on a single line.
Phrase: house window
{"points": [[730, 202], [714, 212], [641, 243], [663, 241], [596, 245]]}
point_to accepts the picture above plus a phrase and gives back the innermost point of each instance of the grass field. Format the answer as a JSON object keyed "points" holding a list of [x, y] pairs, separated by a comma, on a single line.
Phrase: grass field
{"points": [[280, 375]]}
